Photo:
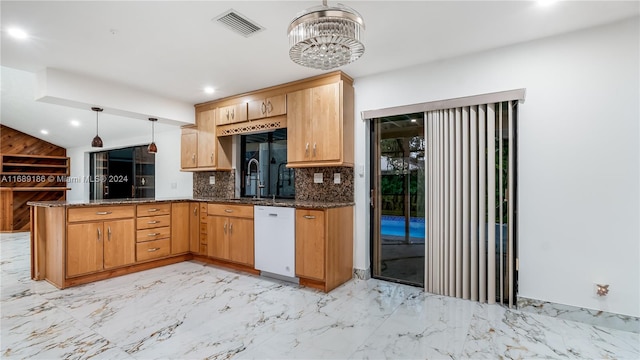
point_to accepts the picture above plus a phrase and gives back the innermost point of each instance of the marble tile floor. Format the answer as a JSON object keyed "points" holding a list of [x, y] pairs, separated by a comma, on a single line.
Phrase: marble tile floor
{"points": [[195, 311]]}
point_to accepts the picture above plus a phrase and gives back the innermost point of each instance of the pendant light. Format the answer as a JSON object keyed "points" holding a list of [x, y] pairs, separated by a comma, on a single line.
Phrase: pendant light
{"points": [[96, 142], [325, 37], [152, 147]]}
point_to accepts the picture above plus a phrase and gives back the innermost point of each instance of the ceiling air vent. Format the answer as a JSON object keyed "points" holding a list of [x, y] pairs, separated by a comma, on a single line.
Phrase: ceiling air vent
{"points": [[238, 23]]}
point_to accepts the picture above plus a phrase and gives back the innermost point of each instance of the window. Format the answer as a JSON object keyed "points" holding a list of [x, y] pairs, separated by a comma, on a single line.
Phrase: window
{"points": [[264, 165], [122, 173]]}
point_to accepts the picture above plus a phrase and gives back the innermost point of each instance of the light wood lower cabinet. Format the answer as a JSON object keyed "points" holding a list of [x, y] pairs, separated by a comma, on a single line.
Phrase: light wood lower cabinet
{"points": [[231, 235], [324, 247], [99, 245], [184, 219]]}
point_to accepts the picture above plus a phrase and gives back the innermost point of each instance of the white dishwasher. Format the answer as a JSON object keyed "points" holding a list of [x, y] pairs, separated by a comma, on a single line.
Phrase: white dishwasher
{"points": [[275, 245]]}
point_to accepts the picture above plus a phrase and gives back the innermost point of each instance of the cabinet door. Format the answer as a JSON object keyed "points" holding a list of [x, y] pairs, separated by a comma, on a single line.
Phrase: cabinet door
{"points": [[276, 105], [119, 243], [194, 227], [232, 114], [218, 240], [241, 241], [271, 106], [84, 248], [310, 244], [180, 227], [256, 109], [326, 123], [205, 121], [188, 148], [298, 126]]}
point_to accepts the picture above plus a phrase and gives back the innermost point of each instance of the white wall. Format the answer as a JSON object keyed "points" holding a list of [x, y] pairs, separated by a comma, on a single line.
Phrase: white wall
{"points": [[167, 165], [578, 156]]}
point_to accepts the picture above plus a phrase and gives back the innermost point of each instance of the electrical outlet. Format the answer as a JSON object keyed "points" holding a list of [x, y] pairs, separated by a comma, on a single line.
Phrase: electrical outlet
{"points": [[336, 178], [317, 178], [212, 180]]}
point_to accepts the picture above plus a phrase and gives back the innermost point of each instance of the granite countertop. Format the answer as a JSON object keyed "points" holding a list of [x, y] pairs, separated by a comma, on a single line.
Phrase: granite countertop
{"points": [[249, 201]]}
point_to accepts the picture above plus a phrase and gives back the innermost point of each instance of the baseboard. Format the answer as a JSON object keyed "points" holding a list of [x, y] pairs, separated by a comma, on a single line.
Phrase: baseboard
{"points": [[588, 316], [362, 274]]}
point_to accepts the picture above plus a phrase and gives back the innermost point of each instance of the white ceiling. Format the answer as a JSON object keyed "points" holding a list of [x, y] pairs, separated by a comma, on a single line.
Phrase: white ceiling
{"points": [[173, 49]]}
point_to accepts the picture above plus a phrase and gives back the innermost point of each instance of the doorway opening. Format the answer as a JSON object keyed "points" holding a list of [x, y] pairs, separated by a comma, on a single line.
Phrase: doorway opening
{"points": [[122, 173], [398, 193]]}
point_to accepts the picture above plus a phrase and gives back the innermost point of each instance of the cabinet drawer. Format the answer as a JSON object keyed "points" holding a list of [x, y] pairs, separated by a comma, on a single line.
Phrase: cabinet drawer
{"points": [[99, 213], [154, 209], [203, 212], [153, 249], [153, 234], [245, 211], [149, 222]]}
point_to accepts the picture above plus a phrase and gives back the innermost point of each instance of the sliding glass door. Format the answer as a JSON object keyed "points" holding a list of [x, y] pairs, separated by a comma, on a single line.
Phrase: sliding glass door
{"points": [[398, 190]]}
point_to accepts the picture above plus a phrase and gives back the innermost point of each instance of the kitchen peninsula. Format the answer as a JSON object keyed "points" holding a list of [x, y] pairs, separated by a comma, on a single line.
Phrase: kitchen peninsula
{"points": [[79, 242]]}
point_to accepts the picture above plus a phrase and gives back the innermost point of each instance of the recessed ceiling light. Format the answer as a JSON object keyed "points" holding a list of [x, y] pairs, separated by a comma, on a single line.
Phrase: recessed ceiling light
{"points": [[18, 33], [75, 123], [209, 90], [44, 132]]}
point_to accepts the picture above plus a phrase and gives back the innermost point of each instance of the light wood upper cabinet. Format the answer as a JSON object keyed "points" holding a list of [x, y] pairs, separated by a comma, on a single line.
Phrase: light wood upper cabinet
{"points": [[206, 124], [320, 126], [271, 106], [201, 149], [232, 114], [189, 148]]}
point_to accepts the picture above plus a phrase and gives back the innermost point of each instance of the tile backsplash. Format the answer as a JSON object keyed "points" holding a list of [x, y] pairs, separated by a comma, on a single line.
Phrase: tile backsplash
{"points": [[327, 190], [223, 187], [306, 188]]}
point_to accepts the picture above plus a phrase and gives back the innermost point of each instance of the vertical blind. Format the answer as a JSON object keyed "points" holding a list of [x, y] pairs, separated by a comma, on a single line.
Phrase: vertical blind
{"points": [[470, 159]]}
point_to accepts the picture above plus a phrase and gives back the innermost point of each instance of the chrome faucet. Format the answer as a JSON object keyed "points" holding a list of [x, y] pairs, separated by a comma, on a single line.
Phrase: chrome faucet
{"points": [[259, 185]]}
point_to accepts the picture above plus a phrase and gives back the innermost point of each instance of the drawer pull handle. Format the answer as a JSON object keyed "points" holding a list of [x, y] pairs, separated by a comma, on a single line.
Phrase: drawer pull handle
{"points": [[230, 228], [228, 210], [153, 210], [153, 234], [99, 234], [225, 228], [310, 217], [109, 233], [103, 212], [153, 222], [195, 211], [153, 249]]}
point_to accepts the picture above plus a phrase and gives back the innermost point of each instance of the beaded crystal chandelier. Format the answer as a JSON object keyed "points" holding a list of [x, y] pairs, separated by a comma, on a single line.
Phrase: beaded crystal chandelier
{"points": [[325, 37]]}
